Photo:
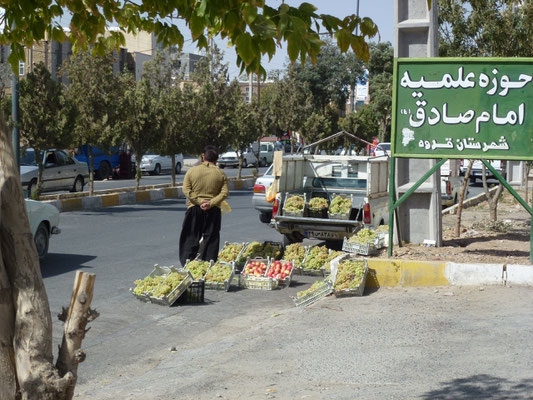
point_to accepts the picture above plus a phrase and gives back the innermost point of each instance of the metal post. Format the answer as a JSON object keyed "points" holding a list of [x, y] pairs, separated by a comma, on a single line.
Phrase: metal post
{"points": [[392, 200], [15, 117]]}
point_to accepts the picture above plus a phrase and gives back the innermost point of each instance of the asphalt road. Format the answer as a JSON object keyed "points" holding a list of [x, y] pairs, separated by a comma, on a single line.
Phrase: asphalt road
{"points": [[427, 343]]}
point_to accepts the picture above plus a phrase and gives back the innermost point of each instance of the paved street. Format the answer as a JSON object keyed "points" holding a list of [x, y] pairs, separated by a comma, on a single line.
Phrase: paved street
{"points": [[445, 343]]}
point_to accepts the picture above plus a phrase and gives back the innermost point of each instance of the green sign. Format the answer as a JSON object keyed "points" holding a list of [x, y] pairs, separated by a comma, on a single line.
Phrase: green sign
{"points": [[478, 108]]}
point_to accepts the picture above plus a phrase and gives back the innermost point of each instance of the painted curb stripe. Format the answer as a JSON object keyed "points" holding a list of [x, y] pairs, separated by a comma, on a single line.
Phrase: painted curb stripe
{"points": [[110, 200], [143, 196], [171, 193], [405, 273], [71, 204]]}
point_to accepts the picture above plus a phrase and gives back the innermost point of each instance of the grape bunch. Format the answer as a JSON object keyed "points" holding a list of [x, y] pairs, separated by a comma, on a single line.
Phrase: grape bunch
{"points": [[218, 273], [168, 285], [230, 252], [316, 286], [331, 257], [364, 236], [349, 275], [318, 204], [197, 268], [147, 284], [382, 229], [271, 250], [340, 205], [296, 252], [253, 250], [294, 203], [316, 258]]}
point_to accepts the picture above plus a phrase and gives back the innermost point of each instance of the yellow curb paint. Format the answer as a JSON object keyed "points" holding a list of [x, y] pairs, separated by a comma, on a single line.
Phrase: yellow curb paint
{"points": [[237, 184], [171, 193], [141, 197], [110, 200], [406, 273], [71, 204]]}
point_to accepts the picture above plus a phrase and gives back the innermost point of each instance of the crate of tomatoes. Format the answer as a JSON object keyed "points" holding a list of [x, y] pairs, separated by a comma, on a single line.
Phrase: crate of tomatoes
{"points": [[282, 271], [254, 276]]}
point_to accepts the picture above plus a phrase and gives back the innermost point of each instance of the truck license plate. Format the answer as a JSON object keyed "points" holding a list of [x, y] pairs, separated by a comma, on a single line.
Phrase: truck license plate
{"points": [[321, 235]]}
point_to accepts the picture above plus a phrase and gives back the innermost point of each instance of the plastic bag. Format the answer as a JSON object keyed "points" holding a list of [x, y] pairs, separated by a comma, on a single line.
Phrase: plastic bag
{"points": [[272, 191], [225, 208]]}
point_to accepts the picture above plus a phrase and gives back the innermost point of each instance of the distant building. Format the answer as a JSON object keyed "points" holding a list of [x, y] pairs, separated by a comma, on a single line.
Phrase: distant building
{"points": [[249, 90]]}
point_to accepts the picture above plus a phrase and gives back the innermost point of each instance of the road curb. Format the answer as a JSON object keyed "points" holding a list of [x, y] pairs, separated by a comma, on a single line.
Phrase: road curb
{"points": [[414, 273], [104, 200]]}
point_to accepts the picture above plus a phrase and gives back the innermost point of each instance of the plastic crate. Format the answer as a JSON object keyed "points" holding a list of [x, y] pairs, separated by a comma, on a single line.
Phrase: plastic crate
{"points": [[294, 213], [221, 285], [194, 293], [278, 245], [343, 216], [287, 281], [315, 295], [203, 277], [258, 282], [367, 249], [307, 271], [360, 288], [243, 244], [323, 213], [171, 297]]}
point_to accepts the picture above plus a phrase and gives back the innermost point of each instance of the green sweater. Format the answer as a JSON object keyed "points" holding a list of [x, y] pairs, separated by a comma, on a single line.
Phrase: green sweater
{"points": [[205, 182]]}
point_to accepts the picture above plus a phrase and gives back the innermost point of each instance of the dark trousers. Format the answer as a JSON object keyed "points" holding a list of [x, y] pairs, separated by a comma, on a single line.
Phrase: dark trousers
{"points": [[198, 223]]}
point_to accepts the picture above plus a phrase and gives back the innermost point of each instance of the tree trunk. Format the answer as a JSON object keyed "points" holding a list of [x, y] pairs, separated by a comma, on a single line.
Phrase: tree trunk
{"points": [[138, 172], [493, 199], [173, 158], [91, 171], [241, 157], [40, 172], [461, 199]]}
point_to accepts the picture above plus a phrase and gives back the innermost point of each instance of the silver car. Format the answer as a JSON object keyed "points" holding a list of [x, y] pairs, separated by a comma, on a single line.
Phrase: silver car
{"points": [[259, 197], [61, 172]]}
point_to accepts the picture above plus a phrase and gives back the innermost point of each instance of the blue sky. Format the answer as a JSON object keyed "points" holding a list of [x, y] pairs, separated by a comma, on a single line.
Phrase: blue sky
{"points": [[380, 11]]}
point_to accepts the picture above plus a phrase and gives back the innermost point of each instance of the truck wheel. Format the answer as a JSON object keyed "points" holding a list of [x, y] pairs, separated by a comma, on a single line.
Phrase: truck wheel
{"points": [[178, 168], [334, 244], [290, 238], [265, 217], [473, 179], [104, 170], [263, 162], [41, 240]]}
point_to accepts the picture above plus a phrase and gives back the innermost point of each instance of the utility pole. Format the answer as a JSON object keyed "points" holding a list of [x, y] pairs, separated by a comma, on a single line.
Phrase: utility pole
{"points": [[258, 89]]}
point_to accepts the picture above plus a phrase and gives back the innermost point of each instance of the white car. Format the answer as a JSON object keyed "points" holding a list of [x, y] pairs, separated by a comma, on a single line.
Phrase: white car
{"points": [[154, 164], [231, 159], [259, 197], [44, 221], [382, 149], [61, 172]]}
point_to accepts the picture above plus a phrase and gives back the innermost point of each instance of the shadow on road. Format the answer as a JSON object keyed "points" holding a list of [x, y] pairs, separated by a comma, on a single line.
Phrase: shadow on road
{"points": [[482, 387], [57, 264]]}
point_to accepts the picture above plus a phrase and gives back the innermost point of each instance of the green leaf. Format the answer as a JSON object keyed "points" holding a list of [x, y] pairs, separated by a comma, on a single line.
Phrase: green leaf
{"points": [[294, 44], [197, 26], [343, 40], [249, 13], [307, 8], [245, 47], [16, 55], [201, 9]]}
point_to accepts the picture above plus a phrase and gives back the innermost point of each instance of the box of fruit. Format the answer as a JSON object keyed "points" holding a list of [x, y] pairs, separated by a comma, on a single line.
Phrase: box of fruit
{"points": [[314, 261], [219, 276], [197, 268], [318, 207], [294, 205], [296, 252], [366, 242], [254, 276], [282, 271], [164, 285], [265, 249], [333, 254], [350, 275], [231, 252], [317, 291], [340, 206]]}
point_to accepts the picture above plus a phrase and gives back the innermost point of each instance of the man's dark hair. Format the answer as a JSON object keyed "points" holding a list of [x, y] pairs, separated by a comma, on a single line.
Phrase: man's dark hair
{"points": [[210, 154]]}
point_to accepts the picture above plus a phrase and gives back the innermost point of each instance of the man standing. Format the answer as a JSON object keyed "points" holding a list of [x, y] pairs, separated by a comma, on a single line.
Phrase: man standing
{"points": [[205, 187]]}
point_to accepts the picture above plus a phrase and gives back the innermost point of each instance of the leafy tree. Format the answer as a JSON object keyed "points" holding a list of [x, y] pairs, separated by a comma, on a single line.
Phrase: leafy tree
{"points": [[46, 118], [140, 122], [356, 71], [93, 90], [247, 129], [362, 124], [320, 125]]}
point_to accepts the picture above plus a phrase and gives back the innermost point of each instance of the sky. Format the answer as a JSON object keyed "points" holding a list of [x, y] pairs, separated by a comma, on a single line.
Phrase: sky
{"points": [[380, 11]]}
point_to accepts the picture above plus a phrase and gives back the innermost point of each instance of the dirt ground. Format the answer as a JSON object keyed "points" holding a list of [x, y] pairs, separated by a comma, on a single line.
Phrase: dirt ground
{"points": [[481, 240]]}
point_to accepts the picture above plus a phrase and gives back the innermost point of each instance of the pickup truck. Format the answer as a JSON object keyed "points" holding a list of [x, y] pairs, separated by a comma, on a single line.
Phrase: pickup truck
{"points": [[477, 169], [363, 179]]}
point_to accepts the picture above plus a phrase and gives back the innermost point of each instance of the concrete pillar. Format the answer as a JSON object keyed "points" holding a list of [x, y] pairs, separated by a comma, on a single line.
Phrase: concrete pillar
{"points": [[416, 36]]}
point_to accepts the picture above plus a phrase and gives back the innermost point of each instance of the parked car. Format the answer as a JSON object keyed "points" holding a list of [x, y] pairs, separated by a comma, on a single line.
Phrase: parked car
{"points": [[44, 221], [61, 172], [382, 149], [231, 158], [154, 164], [450, 185], [477, 169], [266, 153], [258, 199]]}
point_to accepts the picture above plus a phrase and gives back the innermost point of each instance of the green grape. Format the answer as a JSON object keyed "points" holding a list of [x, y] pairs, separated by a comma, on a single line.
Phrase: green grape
{"points": [[318, 203], [253, 250], [364, 236], [340, 205], [168, 285], [147, 284], [197, 268], [296, 252], [272, 251], [316, 258], [349, 274], [316, 286], [331, 257], [218, 273], [230, 252], [294, 203], [382, 229]]}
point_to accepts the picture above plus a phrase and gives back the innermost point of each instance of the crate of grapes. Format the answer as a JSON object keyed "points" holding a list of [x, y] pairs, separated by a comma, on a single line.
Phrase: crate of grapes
{"points": [[231, 252], [250, 250], [164, 285], [197, 268], [350, 275], [254, 276], [366, 242], [314, 261], [318, 207], [219, 276], [340, 206], [294, 205], [320, 289], [272, 250]]}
